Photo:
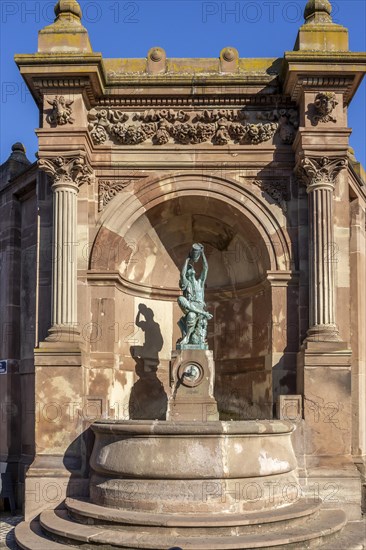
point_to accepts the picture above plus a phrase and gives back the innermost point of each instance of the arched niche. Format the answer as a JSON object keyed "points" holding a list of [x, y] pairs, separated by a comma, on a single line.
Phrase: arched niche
{"points": [[143, 240]]}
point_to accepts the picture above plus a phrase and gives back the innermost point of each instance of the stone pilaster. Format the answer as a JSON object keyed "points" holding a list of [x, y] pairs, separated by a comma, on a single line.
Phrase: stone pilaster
{"points": [[67, 175], [324, 362], [319, 175]]}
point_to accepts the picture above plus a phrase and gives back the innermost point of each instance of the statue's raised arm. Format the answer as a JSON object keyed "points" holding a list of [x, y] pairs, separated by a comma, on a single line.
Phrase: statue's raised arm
{"points": [[183, 281], [204, 272]]}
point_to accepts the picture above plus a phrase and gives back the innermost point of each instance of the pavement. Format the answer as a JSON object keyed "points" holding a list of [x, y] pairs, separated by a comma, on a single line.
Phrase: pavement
{"points": [[7, 524]]}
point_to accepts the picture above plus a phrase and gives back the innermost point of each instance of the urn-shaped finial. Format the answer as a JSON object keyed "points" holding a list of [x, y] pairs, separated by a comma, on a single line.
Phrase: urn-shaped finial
{"points": [[68, 8], [318, 11]]}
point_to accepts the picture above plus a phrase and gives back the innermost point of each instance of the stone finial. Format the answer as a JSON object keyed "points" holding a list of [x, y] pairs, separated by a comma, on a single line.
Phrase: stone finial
{"points": [[18, 154], [318, 11], [14, 165], [229, 60], [66, 34], [18, 147], [68, 8], [319, 33], [156, 60]]}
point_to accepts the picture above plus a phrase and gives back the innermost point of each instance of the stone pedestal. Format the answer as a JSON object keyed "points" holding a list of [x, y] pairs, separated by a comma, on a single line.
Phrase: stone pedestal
{"points": [[192, 375], [58, 467], [324, 380]]}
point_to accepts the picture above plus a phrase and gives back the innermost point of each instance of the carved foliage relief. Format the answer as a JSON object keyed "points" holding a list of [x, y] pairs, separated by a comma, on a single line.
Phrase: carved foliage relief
{"points": [[218, 126], [72, 170], [108, 189], [278, 190], [319, 170]]}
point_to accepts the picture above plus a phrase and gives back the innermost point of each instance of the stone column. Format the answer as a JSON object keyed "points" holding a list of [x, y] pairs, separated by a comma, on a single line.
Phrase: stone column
{"points": [[319, 174], [67, 175], [324, 361]]}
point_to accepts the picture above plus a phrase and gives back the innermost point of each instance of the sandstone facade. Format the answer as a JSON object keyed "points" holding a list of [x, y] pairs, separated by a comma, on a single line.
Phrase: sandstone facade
{"points": [[138, 158]]}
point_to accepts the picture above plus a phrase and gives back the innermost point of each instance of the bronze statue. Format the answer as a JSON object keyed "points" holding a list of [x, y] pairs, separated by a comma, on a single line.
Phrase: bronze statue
{"points": [[194, 322]]}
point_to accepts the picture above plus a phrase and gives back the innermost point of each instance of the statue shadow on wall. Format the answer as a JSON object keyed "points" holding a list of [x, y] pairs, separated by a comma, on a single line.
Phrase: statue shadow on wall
{"points": [[148, 400]]}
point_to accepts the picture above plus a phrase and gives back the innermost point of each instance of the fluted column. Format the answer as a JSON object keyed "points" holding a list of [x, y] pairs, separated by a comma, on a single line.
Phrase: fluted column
{"points": [[319, 175], [67, 175]]}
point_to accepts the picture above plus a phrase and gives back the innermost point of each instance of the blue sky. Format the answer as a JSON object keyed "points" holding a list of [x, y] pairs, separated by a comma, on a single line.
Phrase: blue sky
{"points": [[193, 28]]}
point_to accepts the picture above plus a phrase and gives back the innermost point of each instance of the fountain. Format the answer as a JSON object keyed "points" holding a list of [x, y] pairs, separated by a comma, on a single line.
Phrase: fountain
{"points": [[192, 481]]}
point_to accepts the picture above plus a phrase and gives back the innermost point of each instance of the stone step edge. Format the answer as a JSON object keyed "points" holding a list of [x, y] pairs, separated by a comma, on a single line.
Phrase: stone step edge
{"points": [[57, 524], [82, 507], [352, 537], [29, 536]]}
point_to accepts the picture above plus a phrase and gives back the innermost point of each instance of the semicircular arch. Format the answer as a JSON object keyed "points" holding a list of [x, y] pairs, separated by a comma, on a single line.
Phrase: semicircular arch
{"points": [[140, 197]]}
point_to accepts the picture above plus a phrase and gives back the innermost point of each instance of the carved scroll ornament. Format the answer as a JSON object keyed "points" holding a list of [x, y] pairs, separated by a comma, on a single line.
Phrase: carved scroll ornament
{"points": [[108, 189]]}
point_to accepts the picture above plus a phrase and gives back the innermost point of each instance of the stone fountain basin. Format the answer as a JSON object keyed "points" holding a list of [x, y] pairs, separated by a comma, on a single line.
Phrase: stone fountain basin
{"points": [[186, 467], [191, 450]]}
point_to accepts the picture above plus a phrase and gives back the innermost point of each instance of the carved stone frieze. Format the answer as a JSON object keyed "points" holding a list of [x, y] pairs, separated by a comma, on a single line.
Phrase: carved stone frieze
{"points": [[61, 111], [73, 170], [108, 189], [277, 190], [218, 126], [313, 171], [287, 120], [324, 104]]}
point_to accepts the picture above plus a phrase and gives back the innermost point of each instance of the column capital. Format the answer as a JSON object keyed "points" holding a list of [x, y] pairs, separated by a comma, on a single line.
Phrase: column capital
{"points": [[319, 172], [71, 171]]}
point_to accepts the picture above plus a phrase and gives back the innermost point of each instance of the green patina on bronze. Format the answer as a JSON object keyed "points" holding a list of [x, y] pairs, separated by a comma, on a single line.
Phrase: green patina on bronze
{"points": [[194, 322]]}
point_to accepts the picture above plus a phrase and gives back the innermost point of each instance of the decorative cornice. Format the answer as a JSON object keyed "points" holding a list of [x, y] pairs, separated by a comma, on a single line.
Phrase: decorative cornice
{"points": [[72, 170], [341, 83], [46, 85], [218, 126], [317, 172], [204, 101]]}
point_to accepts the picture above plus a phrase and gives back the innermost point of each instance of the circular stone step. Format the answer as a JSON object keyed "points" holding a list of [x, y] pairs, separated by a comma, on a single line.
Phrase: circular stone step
{"points": [[312, 535], [29, 536], [81, 508]]}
